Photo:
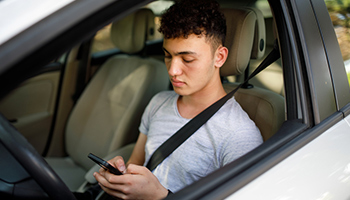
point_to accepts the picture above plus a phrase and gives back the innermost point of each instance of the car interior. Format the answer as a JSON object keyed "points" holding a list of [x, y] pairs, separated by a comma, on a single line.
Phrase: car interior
{"points": [[108, 112], [91, 101]]}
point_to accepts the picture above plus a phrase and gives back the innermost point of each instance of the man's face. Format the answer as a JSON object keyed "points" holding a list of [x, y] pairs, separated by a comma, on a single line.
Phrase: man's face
{"points": [[191, 64]]}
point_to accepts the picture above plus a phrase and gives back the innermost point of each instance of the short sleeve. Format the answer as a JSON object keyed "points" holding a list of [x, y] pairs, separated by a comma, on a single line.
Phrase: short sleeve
{"points": [[152, 107], [144, 125]]}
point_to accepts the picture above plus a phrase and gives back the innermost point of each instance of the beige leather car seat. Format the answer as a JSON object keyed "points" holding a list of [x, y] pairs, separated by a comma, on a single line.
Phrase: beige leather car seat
{"points": [[108, 113], [272, 77], [245, 40]]}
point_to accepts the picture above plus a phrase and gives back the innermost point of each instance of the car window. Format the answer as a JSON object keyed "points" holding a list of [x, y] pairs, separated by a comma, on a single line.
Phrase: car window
{"points": [[102, 40], [339, 11]]}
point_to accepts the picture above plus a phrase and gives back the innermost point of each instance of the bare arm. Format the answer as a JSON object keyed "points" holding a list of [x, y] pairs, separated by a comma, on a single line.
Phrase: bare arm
{"points": [[138, 154]]}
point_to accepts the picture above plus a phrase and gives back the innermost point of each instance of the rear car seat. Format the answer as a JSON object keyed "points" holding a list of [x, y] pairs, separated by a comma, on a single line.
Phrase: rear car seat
{"points": [[107, 115]]}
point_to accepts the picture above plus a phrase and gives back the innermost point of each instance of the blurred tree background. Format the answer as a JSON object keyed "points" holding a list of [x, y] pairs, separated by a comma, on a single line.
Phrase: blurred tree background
{"points": [[339, 11]]}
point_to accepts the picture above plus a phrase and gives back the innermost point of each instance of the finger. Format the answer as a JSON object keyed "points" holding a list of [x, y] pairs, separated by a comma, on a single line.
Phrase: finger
{"points": [[115, 159], [113, 193], [102, 171], [136, 169], [113, 189], [119, 163], [110, 178], [100, 178], [105, 182]]}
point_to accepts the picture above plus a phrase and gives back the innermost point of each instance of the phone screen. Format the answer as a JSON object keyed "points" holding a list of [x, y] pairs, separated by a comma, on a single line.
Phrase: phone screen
{"points": [[104, 164]]}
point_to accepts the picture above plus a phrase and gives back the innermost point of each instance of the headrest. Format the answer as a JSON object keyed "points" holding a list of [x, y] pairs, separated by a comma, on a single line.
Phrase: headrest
{"points": [[130, 33], [245, 38], [259, 43]]}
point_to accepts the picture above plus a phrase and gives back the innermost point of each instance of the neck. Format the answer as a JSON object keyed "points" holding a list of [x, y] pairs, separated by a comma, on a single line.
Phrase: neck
{"points": [[191, 105], [204, 98]]}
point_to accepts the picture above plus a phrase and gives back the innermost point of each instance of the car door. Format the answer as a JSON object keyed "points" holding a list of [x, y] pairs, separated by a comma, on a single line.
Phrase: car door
{"points": [[315, 165], [30, 107], [40, 106]]}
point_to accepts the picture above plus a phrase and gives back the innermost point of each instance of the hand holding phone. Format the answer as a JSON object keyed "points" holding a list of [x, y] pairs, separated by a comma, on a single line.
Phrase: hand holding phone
{"points": [[104, 164]]}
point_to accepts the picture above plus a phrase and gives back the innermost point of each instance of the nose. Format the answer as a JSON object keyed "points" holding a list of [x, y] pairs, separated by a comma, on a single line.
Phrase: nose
{"points": [[174, 68]]}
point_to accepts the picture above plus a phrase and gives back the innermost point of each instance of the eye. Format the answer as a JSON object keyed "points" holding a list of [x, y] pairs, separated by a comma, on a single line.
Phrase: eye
{"points": [[167, 56], [188, 61]]}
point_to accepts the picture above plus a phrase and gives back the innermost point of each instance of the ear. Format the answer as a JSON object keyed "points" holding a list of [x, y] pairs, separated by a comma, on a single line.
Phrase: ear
{"points": [[220, 56]]}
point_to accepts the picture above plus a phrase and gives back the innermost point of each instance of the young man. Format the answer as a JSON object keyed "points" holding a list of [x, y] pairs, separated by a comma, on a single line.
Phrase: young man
{"points": [[194, 34]]}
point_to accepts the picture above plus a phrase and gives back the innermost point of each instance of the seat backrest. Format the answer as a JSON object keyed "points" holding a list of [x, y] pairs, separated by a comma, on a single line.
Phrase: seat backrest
{"points": [[272, 77], [245, 39], [107, 115]]}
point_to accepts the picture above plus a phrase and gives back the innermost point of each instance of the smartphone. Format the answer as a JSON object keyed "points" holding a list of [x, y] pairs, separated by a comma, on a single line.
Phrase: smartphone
{"points": [[104, 164]]}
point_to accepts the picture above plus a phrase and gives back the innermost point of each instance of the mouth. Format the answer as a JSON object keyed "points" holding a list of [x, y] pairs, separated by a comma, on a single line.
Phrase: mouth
{"points": [[177, 83]]}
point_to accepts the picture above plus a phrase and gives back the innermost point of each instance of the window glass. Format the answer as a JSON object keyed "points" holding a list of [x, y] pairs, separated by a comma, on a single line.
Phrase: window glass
{"points": [[339, 11], [102, 39]]}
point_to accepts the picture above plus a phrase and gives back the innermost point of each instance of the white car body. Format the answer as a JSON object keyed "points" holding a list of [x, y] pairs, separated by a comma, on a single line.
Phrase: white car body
{"points": [[17, 15], [320, 170]]}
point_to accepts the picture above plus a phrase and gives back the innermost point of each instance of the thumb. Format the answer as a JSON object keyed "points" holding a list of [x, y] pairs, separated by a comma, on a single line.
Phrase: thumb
{"points": [[136, 169], [119, 164]]}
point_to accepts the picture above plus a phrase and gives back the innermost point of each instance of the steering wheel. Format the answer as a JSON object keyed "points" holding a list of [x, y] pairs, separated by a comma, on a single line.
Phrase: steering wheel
{"points": [[30, 160]]}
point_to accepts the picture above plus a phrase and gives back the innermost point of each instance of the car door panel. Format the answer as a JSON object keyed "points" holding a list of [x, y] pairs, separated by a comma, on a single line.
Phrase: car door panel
{"points": [[319, 170], [30, 107]]}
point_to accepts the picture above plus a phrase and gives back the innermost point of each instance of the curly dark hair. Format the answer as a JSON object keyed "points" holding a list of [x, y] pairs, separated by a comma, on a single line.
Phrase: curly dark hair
{"points": [[187, 17]]}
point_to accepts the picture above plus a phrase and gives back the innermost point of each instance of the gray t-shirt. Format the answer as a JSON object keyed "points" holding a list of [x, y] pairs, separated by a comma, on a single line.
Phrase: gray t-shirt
{"points": [[225, 137]]}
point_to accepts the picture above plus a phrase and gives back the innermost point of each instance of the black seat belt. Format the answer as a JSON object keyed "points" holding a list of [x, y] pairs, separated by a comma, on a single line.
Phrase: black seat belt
{"points": [[194, 124]]}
